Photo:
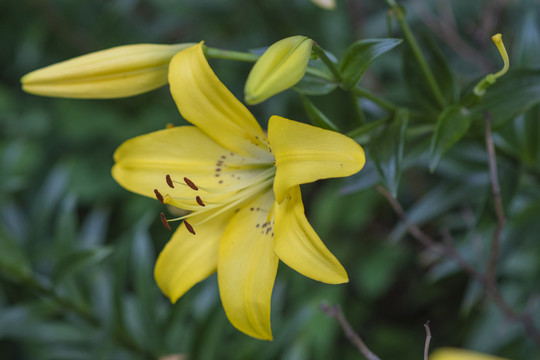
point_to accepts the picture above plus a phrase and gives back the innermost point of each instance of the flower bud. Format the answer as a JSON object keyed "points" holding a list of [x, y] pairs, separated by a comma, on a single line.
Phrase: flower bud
{"points": [[325, 4], [461, 354], [281, 66], [113, 73]]}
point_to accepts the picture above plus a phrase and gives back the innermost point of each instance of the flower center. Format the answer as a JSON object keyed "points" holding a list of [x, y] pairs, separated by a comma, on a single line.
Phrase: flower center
{"points": [[225, 187]]}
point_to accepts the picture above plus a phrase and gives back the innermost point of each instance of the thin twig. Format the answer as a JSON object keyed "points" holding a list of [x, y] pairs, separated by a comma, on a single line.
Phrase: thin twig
{"points": [[496, 239], [335, 312], [428, 340], [450, 252], [414, 230]]}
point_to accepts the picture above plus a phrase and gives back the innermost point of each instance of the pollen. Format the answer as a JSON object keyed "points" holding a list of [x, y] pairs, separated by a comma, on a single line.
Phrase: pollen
{"points": [[190, 184], [164, 221], [169, 181], [199, 201], [159, 196], [189, 227]]}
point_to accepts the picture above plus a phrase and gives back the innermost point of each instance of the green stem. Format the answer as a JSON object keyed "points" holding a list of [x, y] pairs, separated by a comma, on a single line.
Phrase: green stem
{"points": [[214, 53], [229, 54], [327, 61], [407, 33], [357, 110], [360, 92]]}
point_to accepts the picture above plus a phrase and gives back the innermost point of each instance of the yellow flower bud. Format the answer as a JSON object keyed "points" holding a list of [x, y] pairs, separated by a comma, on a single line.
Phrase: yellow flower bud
{"points": [[325, 4], [279, 68], [113, 73], [460, 354]]}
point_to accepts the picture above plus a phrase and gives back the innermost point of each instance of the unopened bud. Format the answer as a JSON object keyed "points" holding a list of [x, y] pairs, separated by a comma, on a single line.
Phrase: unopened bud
{"points": [[281, 66], [113, 73]]}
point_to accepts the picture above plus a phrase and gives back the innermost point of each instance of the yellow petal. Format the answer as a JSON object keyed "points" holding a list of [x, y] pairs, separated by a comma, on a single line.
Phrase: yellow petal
{"points": [[298, 246], [188, 259], [117, 72], [306, 153], [205, 102], [280, 67], [142, 163], [460, 354], [247, 268]]}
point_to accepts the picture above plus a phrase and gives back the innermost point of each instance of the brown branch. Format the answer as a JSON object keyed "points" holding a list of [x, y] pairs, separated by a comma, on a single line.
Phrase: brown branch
{"points": [[335, 312], [428, 340], [496, 239], [414, 230], [449, 251]]}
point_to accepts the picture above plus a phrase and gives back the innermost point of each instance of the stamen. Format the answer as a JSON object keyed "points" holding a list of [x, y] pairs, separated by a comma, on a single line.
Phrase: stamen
{"points": [[164, 221], [189, 227], [199, 201], [159, 196], [190, 184], [169, 181]]}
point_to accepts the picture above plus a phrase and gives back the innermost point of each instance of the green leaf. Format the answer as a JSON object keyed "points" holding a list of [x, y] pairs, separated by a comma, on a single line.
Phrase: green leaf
{"points": [[318, 79], [513, 94], [13, 261], [317, 117], [452, 125], [313, 85], [386, 150], [78, 260], [438, 201], [360, 55], [419, 89], [528, 43]]}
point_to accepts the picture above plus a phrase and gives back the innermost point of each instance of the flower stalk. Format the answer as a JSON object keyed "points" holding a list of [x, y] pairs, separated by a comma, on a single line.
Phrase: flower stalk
{"points": [[417, 53]]}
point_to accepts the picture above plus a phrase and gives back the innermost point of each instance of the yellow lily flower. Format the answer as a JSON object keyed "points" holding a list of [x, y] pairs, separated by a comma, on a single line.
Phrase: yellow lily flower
{"points": [[113, 73], [461, 354], [281, 66], [242, 189]]}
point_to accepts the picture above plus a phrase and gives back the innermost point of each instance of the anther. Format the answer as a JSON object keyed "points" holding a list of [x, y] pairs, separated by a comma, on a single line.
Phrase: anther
{"points": [[199, 201], [169, 181], [159, 196], [164, 221], [189, 227], [190, 184]]}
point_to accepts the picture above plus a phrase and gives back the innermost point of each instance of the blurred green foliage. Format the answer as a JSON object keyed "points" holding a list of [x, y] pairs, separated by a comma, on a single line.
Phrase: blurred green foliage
{"points": [[77, 251]]}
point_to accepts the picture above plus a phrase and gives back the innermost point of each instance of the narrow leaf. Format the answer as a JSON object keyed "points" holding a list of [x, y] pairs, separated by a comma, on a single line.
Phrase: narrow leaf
{"points": [[513, 94], [13, 261], [78, 260], [317, 117], [452, 125], [386, 150], [360, 55]]}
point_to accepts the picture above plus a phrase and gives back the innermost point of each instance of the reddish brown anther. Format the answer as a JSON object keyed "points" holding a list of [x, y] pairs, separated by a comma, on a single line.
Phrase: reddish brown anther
{"points": [[169, 181], [199, 201], [190, 184], [164, 221], [189, 227], [159, 196]]}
